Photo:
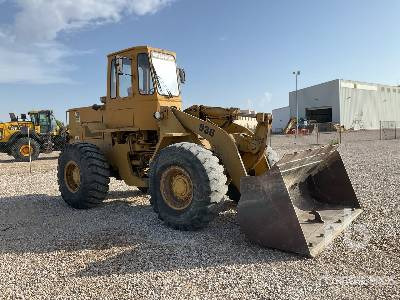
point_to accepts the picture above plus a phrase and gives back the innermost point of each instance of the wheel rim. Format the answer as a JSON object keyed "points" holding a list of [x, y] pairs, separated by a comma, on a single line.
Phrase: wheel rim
{"points": [[25, 150], [176, 188], [72, 176]]}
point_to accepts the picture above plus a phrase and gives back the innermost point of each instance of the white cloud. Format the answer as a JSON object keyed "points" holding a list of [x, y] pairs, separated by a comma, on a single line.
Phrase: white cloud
{"points": [[266, 99], [261, 104], [29, 48], [249, 103]]}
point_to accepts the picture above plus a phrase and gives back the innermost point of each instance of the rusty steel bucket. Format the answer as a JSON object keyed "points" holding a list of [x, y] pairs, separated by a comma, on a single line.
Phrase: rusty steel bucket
{"points": [[301, 204]]}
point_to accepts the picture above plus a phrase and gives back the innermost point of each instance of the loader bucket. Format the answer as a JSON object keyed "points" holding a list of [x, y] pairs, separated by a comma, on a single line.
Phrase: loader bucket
{"points": [[301, 204]]}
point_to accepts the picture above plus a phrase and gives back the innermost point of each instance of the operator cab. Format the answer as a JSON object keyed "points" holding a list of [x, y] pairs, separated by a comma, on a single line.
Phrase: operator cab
{"points": [[144, 71], [45, 119], [140, 80]]}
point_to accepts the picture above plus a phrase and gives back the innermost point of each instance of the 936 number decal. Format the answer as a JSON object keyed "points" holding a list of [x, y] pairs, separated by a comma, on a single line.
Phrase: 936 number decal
{"points": [[207, 130]]}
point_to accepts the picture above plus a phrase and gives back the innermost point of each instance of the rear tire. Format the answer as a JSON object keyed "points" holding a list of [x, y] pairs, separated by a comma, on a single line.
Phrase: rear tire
{"points": [[83, 175], [20, 149], [187, 185]]}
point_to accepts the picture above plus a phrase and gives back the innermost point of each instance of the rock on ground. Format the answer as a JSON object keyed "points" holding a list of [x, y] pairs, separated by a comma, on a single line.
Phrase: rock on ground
{"points": [[121, 250]]}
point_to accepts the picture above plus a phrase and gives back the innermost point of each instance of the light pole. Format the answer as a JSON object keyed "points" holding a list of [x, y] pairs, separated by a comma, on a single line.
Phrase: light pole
{"points": [[297, 73]]}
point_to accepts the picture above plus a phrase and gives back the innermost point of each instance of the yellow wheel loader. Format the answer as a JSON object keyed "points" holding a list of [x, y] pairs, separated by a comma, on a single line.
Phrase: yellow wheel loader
{"points": [[26, 139], [189, 160]]}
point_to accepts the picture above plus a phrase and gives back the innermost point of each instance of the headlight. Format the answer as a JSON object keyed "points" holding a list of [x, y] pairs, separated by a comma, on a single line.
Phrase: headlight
{"points": [[157, 115]]}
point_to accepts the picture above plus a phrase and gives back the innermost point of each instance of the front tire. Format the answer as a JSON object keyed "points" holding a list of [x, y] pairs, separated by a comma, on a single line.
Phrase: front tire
{"points": [[21, 151], [83, 175], [186, 185]]}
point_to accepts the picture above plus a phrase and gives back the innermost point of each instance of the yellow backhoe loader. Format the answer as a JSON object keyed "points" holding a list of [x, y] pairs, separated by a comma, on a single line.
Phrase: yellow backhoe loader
{"points": [[25, 139], [189, 160]]}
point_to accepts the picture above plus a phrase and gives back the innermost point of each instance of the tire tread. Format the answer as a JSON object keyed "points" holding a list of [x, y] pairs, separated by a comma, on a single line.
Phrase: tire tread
{"points": [[97, 175], [216, 180]]}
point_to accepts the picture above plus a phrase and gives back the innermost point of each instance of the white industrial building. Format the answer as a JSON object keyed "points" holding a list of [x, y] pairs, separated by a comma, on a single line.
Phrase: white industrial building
{"points": [[353, 104], [280, 118]]}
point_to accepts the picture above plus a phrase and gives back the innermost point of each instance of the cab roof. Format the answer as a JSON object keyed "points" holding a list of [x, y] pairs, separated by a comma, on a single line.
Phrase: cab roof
{"points": [[39, 111], [141, 48]]}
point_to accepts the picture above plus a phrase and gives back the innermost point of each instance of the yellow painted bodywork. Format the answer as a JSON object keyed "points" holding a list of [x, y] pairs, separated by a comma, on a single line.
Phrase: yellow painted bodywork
{"points": [[126, 131], [8, 129]]}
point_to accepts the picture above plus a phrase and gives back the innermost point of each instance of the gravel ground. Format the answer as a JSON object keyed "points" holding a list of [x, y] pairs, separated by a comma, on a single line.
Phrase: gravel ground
{"points": [[121, 250]]}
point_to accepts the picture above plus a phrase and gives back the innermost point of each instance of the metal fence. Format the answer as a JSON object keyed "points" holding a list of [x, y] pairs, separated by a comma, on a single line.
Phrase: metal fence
{"points": [[330, 133], [389, 130], [320, 134]]}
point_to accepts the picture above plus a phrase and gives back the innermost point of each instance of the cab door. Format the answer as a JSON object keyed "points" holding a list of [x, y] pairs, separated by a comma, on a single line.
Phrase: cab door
{"points": [[45, 123], [120, 113]]}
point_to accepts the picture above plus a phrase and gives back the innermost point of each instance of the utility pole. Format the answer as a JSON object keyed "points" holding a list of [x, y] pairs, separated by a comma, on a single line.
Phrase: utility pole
{"points": [[297, 73]]}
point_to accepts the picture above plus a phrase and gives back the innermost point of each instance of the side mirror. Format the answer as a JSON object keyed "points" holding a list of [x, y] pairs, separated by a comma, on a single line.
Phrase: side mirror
{"points": [[103, 99], [182, 75]]}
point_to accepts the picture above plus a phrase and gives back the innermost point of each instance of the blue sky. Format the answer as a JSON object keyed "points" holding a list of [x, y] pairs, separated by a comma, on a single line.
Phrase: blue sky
{"points": [[235, 53]]}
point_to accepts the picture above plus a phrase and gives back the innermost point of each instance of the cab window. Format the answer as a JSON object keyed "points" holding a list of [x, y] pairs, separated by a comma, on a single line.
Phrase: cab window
{"points": [[43, 119], [113, 80], [44, 123], [144, 74], [125, 78], [34, 120]]}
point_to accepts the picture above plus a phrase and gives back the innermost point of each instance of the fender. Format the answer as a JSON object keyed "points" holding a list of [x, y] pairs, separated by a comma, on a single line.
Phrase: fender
{"points": [[223, 143], [177, 125], [22, 134]]}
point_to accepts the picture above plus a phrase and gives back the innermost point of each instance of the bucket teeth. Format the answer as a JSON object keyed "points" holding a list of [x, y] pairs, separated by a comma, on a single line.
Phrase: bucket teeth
{"points": [[301, 204]]}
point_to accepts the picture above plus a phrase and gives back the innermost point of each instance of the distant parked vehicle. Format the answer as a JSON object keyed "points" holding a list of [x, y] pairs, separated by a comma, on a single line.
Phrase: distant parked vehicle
{"points": [[22, 138]]}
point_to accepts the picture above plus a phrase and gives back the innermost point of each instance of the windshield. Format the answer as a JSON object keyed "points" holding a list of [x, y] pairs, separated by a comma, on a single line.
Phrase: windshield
{"points": [[165, 68], [33, 119]]}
